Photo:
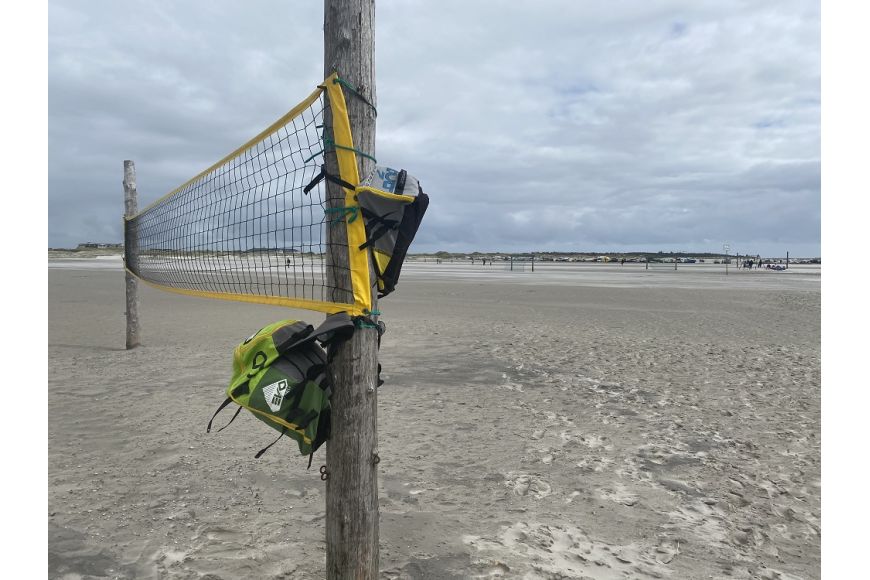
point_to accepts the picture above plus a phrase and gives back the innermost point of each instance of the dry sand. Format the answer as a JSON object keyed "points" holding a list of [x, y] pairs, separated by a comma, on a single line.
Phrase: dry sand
{"points": [[620, 424]]}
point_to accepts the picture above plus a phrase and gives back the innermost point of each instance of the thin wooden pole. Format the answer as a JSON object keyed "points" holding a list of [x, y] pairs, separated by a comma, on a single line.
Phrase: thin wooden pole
{"points": [[351, 454], [131, 255]]}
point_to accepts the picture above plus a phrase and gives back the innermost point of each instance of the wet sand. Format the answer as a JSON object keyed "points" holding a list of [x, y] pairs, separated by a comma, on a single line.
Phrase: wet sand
{"points": [[593, 424]]}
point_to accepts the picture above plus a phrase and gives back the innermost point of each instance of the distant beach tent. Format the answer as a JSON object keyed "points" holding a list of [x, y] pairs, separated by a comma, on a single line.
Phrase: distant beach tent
{"points": [[249, 229]]}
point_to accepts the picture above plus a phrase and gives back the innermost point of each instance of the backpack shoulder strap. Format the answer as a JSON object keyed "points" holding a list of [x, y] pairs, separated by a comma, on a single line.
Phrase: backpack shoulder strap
{"points": [[292, 335], [226, 402], [338, 325]]}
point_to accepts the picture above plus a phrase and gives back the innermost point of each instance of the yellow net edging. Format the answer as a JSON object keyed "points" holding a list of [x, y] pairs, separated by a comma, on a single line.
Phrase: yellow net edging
{"points": [[347, 168], [253, 227]]}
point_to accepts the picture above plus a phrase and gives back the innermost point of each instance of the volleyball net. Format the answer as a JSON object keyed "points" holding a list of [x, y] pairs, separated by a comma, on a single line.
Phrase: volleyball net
{"points": [[256, 226]]}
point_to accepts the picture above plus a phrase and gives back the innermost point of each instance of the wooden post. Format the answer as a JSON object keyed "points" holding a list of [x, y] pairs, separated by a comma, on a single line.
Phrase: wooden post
{"points": [[351, 453], [131, 255]]}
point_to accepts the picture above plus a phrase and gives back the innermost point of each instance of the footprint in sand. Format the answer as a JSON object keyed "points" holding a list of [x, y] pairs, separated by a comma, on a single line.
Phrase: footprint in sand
{"points": [[618, 494], [595, 464], [771, 574], [510, 385], [568, 552], [593, 441], [527, 485], [708, 522], [666, 551]]}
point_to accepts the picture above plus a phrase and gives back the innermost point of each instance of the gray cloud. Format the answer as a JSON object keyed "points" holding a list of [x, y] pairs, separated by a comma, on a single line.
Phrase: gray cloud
{"points": [[533, 125]]}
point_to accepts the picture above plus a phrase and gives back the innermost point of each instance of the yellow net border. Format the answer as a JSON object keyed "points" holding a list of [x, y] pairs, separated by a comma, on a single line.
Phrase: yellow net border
{"points": [[355, 228]]}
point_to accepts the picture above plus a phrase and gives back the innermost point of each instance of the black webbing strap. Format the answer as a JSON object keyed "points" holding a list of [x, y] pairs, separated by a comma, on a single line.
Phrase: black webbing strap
{"points": [[385, 225], [400, 181], [367, 322], [370, 215], [284, 343], [382, 328], [223, 406], [336, 326], [266, 448], [329, 177], [379, 233], [236, 414]]}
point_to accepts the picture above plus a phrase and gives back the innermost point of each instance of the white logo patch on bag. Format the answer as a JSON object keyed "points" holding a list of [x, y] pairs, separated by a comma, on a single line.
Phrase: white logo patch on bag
{"points": [[274, 394]]}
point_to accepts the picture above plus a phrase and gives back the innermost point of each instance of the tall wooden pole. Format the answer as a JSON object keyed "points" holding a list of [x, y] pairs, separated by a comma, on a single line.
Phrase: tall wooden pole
{"points": [[351, 453], [131, 255]]}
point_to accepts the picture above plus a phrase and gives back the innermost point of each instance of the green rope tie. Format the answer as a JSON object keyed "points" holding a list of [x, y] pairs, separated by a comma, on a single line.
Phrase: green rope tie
{"points": [[313, 156], [352, 211], [356, 93], [327, 142], [366, 322]]}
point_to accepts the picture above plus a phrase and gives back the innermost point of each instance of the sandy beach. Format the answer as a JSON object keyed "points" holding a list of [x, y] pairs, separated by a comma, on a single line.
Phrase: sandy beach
{"points": [[596, 422]]}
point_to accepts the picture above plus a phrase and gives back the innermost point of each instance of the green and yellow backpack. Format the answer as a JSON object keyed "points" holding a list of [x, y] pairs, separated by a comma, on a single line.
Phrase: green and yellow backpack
{"points": [[279, 375]]}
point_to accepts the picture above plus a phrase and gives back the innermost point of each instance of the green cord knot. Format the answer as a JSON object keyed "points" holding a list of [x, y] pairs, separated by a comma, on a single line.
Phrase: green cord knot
{"points": [[340, 81], [330, 145], [327, 142], [365, 322], [351, 210], [362, 322]]}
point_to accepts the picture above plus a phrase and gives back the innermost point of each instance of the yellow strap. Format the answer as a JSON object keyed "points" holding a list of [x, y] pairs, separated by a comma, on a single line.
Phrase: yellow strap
{"points": [[386, 194], [347, 168], [303, 303]]}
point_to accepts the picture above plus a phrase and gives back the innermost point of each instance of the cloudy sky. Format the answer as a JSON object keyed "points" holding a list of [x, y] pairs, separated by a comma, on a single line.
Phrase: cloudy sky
{"points": [[545, 125]]}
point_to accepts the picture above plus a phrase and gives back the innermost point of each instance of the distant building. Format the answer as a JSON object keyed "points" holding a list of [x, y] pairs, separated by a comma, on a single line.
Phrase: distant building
{"points": [[98, 245]]}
